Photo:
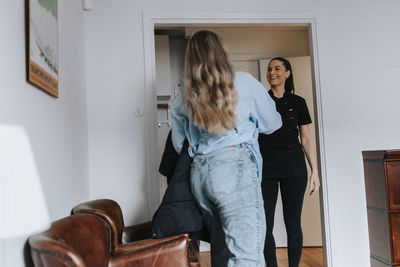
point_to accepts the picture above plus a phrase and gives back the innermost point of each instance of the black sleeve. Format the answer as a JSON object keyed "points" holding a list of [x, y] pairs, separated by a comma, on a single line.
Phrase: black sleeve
{"points": [[304, 115], [169, 158]]}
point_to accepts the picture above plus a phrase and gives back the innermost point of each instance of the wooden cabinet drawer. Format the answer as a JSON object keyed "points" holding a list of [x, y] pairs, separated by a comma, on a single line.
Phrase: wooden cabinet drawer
{"points": [[395, 229], [393, 184]]}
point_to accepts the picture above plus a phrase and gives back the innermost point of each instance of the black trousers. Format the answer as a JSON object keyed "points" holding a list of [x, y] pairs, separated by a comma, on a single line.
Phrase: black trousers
{"points": [[292, 192]]}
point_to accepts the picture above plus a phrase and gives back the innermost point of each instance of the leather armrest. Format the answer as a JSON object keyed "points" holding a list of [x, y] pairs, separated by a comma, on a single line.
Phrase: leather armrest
{"points": [[43, 246], [170, 253], [137, 232]]}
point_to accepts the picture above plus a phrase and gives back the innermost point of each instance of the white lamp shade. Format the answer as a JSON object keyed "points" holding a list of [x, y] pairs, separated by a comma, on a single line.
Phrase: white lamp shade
{"points": [[23, 209]]}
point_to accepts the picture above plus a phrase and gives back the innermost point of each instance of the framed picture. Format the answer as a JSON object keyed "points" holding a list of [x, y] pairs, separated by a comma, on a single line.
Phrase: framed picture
{"points": [[42, 44]]}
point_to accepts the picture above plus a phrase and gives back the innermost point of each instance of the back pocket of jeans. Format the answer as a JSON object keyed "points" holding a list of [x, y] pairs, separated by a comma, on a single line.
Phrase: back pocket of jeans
{"points": [[224, 176]]}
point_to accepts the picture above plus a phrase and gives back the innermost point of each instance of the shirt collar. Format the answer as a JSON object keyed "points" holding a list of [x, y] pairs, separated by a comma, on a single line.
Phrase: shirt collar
{"points": [[285, 94]]}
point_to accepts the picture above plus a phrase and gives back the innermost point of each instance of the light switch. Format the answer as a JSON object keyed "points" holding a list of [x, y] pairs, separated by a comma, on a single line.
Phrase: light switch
{"points": [[87, 5], [138, 112]]}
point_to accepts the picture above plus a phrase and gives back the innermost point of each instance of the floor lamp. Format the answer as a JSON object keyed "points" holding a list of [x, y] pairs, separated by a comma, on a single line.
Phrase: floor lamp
{"points": [[23, 209]]}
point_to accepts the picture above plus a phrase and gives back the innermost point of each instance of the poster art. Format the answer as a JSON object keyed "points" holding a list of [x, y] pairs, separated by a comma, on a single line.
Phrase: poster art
{"points": [[43, 45]]}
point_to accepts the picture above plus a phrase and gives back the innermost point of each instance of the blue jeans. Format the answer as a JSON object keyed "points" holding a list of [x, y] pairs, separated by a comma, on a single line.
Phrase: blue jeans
{"points": [[227, 188]]}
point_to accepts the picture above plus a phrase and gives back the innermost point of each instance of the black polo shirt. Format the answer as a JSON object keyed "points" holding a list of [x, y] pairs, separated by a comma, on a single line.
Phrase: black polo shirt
{"points": [[282, 153]]}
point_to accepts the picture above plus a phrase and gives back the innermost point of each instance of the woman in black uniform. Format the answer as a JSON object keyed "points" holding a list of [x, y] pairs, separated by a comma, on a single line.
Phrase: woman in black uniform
{"points": [[284, 164]]}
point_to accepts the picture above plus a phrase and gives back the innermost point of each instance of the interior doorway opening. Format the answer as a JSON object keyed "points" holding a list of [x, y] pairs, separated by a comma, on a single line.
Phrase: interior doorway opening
{"points": [[258, 43]]}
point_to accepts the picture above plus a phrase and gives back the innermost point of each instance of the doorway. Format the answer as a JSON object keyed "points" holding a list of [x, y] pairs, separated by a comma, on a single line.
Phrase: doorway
{"points": [[251, 62]]}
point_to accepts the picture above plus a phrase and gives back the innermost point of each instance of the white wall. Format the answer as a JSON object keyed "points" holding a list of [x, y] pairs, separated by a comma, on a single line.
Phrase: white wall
{"points": [[57, 127], [265, 42], [359, 63]]}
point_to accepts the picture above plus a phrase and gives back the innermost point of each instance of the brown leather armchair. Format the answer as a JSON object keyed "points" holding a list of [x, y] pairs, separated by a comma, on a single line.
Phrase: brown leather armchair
{"points": [[110, 211], [85, 240]]}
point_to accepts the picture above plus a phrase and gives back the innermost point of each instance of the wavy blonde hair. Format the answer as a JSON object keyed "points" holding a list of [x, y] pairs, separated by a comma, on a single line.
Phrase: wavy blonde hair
{"points": [[209, 83]]}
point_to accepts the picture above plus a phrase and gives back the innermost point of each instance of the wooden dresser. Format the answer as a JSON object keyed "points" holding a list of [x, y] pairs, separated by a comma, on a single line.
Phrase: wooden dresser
{"points": [[382, 186]]}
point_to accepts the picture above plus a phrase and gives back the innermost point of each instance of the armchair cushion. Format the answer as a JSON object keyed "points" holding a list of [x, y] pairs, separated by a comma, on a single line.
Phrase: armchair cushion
{"points": [[136, 232]]}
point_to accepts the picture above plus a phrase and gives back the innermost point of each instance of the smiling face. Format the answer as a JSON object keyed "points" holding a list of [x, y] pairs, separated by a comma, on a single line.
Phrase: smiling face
{"points": [[277, 73]]}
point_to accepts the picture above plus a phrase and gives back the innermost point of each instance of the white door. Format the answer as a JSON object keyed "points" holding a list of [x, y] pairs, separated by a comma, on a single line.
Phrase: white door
{"points": [[169, 57], [311, 219], [165, 94], [250, 66]]}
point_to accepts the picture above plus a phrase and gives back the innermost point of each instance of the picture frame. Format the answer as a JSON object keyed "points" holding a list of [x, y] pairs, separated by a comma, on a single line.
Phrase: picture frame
{"points": [[42, 45]]}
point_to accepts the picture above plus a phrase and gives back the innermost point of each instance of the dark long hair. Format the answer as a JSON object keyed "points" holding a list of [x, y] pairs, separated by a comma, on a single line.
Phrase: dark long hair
{"points": [[289, 85]]}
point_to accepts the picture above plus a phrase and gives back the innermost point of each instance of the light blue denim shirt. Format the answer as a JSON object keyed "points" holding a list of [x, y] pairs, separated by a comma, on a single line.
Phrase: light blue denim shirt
{"points": [[255, 112]]}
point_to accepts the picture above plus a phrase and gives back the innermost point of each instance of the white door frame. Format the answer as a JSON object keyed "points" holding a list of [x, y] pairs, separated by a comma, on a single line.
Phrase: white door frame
{"points": [[150, 20]]}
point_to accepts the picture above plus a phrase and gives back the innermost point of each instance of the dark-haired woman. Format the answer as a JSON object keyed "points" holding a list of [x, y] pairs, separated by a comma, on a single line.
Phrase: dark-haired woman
{"points": [[284, 165]]}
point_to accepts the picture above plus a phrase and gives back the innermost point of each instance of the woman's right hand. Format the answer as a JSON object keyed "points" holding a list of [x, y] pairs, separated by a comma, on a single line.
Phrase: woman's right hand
{"points": [[314, 183]]}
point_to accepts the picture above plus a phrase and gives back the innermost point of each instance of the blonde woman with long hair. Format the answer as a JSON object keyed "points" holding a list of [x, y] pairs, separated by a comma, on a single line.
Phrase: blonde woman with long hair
{"points": [[221, 112]]}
